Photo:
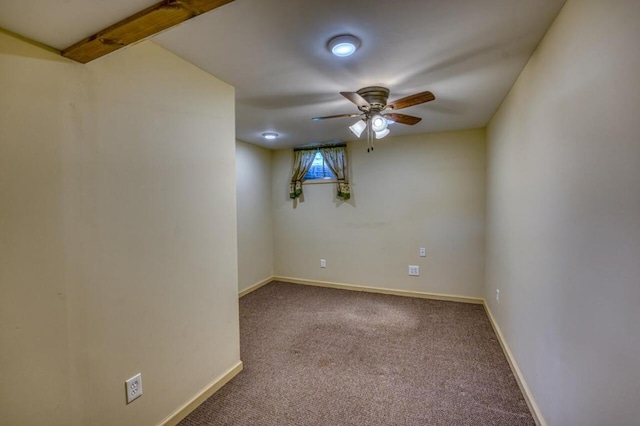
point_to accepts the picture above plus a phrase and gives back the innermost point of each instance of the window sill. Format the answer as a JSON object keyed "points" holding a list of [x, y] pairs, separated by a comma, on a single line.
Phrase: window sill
{"points": [[318, 181]]}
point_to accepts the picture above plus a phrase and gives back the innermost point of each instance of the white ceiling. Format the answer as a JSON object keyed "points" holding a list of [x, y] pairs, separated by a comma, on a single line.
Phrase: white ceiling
{"points": [[467, 52]]}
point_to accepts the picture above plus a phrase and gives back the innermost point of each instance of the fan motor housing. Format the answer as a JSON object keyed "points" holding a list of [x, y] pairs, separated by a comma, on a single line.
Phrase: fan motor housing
{"points": [[376, 96]]}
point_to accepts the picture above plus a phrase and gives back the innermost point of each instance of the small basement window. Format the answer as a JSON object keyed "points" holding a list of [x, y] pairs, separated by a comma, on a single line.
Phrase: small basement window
{"points": [[319, 169]]}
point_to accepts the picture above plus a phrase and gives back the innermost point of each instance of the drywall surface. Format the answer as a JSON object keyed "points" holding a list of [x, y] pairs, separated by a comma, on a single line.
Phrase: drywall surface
{"points": [[563, 240], [410, 192], [255, 215], [118, 249]]}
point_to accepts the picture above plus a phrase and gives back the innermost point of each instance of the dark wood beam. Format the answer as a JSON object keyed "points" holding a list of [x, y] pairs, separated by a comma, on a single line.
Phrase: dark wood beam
{"points": [[137, 27]]}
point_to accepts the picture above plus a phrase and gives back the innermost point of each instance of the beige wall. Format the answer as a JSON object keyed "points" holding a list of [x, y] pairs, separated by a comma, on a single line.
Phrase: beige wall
{"points": [[255, 215], [118, 248], [564, 216], [411, 192]]}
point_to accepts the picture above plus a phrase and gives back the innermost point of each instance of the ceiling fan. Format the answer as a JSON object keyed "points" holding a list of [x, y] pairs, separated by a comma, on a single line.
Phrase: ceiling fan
{"points": [[376, 113]]}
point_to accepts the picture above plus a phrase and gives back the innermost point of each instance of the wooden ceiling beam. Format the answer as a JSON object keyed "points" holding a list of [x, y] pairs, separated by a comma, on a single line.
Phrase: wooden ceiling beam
{"points": [[143, 24]]}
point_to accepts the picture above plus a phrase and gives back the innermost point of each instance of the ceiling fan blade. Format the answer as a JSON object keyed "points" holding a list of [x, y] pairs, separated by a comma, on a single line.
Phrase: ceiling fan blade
{"points": [[335, 116], [404, 118], [415, 99], [356, 99]]}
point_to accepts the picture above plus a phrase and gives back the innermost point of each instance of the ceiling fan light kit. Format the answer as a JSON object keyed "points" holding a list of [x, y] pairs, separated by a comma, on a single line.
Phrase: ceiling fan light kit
{"points": [[378, 123], [381, 134], [376, 113], [343, 45], [358, 128]]}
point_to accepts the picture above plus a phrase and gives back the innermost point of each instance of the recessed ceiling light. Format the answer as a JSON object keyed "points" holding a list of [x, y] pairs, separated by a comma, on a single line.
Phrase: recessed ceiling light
{"points": [[270, 136], [343, 45]]}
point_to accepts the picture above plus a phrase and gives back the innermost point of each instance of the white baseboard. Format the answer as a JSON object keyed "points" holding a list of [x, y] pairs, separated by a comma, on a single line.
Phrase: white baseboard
{"points": [[526, 392], [255, 287], [182, 412], [406, 293]]}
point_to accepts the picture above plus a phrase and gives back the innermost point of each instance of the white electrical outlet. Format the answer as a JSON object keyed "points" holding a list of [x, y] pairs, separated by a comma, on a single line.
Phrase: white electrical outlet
{"points": [[323, 263], [134, 387], [423, 252], [498, 295], [414, 270]]}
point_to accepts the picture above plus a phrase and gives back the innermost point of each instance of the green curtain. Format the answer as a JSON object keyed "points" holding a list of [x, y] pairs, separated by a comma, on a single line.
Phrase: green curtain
{"points": [[301, 164], [336, 159]]}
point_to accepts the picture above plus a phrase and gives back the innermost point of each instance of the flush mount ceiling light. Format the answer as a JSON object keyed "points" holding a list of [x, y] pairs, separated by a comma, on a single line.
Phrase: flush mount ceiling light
{"points": [[343, 45], [270, 136]]}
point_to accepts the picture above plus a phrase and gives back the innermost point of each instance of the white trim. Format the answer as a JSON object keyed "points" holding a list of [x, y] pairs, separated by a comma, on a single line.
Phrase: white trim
{"points": [[182, 412], [526, 392], [255, 286], [406, 293]]}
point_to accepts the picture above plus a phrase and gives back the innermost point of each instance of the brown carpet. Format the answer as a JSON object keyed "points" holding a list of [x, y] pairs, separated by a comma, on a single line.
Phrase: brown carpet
{"points": [[318, 356]]}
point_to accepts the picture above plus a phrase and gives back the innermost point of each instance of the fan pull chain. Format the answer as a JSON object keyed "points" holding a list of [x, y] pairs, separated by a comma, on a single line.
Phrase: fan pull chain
{"points": [[369, 136]]}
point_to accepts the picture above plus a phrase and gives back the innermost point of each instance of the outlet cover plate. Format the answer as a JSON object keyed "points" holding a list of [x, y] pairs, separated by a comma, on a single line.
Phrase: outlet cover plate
{"points": [[414, 270], [423, 252], [134, 387]]}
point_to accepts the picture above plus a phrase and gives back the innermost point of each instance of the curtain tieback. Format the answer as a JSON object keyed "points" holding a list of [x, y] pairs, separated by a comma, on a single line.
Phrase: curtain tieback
{"points": [[295, 188]]}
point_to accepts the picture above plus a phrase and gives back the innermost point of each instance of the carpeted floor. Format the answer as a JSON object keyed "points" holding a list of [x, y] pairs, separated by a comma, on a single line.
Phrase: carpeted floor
{"points": [[318, 356]]}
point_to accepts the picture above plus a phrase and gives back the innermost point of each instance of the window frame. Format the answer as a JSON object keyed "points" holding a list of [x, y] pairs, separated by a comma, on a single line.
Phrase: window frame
{"points": [[323, 180]]}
